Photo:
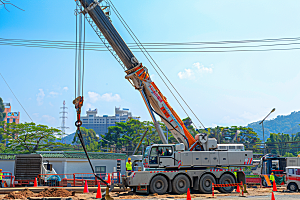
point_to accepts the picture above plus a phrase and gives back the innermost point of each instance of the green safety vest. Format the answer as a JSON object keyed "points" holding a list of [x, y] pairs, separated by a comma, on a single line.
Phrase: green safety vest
{"points": [[1, 174], [272, 178], [129, 166]]}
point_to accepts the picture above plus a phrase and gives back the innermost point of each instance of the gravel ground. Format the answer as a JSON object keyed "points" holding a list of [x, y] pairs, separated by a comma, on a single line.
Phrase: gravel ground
{"points": [[253, 194]]}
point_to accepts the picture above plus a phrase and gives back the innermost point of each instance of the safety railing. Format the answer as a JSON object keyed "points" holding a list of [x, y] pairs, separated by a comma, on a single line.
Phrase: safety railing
{"points": [[238, 185], [77, 179], [56, 180], [8, 179], [112, 178]]}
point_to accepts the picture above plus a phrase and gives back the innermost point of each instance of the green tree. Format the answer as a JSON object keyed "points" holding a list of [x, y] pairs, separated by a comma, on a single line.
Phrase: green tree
{"points": [[29, 137], [2, 113], [89, 137], [289, 155]]}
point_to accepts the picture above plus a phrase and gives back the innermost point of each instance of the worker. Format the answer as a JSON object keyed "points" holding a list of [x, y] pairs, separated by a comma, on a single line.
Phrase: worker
{"points": [[1, 174], [235, 172], [166, 153], [272, 178], [129, 165]]}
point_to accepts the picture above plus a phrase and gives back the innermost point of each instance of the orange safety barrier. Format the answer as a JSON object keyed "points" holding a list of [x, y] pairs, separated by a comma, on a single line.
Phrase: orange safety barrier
{"points": [[226, 185], [77, 179], [254, 181], [9, 179], [56, 180]]}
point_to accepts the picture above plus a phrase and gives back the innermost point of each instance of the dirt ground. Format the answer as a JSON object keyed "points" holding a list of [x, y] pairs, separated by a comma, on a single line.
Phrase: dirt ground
{"points": [[253, 193]]}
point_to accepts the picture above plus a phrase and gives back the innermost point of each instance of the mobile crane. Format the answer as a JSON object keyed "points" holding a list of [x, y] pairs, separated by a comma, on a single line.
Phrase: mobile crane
{"points": [[194, 162]]}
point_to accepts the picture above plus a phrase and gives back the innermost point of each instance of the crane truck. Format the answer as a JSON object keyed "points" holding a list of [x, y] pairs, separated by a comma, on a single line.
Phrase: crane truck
{"points": [[193, 163]]}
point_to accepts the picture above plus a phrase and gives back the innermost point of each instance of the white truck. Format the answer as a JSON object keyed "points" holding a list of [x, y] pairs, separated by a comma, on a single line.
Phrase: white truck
{"points": [[194, 162], [293, 178]]}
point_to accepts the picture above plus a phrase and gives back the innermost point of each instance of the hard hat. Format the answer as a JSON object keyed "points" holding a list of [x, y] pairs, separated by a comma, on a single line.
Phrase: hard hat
{"points": [[272, 173], [129, 158]]}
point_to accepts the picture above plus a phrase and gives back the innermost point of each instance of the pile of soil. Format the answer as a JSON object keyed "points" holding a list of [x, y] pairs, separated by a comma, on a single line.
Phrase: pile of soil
{"points": [[54, 192], [20, 194]]}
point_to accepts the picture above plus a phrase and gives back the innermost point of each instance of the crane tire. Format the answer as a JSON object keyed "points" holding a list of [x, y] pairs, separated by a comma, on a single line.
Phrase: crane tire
{"points": [[159, 185], [205, 183], [226, 179], [180, 184]]}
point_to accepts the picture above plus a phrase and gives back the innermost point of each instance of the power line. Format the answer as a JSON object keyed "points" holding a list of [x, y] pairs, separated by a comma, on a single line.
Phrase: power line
{"points": [[16, 97], [158, 51], [170, 43], [97, 46]]}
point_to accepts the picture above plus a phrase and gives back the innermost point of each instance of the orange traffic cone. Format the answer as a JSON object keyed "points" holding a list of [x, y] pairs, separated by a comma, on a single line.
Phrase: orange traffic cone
{"points": [[274, 186], [188, 197], [108, 179], [273, 196], [86, 189], [35, 183], [238, 189], [99, 195]]}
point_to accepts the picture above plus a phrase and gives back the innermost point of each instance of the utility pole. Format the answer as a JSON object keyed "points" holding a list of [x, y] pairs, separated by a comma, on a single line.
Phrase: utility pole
{"points": [[63, 122], [262, 124]]}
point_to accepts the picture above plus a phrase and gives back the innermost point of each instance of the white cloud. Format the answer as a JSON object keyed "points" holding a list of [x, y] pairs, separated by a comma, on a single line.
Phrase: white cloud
{"points": [[40, 97], [93, 97], [53, 94], [65, 88], [188, 73], [196, 70], [50, 104]]}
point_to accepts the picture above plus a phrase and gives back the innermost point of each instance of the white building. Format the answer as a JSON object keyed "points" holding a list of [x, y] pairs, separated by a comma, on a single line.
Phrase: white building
{"points": [[100, 124]]}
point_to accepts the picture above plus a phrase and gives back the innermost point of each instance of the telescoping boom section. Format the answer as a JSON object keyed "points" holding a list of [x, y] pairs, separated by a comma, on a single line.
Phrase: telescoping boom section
{"points": [[138, 76]]}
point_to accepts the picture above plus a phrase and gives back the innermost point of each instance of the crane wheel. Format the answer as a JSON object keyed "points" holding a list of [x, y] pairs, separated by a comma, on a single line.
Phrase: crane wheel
{"points": [[159, 185], [180, 184], [226, 179], [205, 183]]}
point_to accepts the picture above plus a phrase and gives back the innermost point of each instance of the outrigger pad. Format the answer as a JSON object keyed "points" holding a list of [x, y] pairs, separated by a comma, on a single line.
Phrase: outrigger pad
{"points": [[106, 195]]}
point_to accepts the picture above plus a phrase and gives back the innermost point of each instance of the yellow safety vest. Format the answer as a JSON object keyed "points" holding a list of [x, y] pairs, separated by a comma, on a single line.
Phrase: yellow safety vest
{"points": [[272, 178], [1, 174], [129, 166]]}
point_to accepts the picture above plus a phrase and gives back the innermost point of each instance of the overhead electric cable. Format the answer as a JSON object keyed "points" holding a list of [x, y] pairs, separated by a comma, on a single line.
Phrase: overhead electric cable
{"points": [[16, 97], [172, 43], [157, 51], [96, 47]]}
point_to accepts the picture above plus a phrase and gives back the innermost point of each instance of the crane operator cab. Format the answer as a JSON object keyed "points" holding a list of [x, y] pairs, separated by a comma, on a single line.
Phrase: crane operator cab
{"points": [[161, 155]]}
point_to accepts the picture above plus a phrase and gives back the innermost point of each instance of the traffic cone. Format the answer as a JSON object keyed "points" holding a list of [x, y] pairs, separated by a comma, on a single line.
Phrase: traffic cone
{"points": [[274, 186], [273, 196], [99, 195], [238, 189], [35, 183], [86, 189], [108, 179], [188, 197]]}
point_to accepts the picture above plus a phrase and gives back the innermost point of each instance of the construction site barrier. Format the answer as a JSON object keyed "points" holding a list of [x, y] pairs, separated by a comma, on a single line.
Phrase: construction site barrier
{"points": [[77, 179], [56, 180], [227, 185], [253, 181], [8, 179]]}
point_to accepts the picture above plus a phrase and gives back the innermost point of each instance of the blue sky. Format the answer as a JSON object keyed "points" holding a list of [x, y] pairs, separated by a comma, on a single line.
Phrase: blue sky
{"points": [[223, 89]]}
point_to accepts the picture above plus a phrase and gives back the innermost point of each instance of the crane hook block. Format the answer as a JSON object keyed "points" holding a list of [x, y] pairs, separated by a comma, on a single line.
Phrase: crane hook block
{"points": [[78, 123]]}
